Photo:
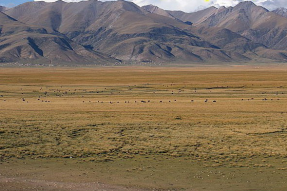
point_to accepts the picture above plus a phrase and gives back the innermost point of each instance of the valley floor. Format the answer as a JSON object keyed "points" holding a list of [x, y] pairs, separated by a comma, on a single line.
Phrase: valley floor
{"points": [[139, 128]]}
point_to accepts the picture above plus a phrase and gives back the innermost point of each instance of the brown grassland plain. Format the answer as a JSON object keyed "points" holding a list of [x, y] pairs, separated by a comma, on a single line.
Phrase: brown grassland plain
{"points": [[143, 128]]}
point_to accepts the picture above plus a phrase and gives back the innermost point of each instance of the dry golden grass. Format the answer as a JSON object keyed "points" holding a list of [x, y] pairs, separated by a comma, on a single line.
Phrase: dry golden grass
{"points": [[107, 114]]}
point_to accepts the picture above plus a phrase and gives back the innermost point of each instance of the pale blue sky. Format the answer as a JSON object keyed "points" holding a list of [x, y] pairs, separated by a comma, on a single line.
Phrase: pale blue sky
{"points": [[11, 3]]}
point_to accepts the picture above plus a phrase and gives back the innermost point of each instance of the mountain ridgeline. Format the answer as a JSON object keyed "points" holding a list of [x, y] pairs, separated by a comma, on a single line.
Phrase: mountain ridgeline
{"points": [[120, 32]]}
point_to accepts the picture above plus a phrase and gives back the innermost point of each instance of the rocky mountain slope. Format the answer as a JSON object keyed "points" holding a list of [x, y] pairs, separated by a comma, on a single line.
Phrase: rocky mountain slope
{"points": [[133, 34], [22, 42], [281, 11], [123, 30], [196, 17], [265, 30], [251, 21]]}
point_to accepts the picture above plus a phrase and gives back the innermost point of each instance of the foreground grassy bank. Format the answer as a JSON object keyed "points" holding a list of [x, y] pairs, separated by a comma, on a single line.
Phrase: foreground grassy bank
{"points": [[152, 127]]}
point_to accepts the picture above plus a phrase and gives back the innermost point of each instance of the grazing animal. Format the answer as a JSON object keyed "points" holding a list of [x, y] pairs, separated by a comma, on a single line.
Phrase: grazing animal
{"points": [[206, 100]]}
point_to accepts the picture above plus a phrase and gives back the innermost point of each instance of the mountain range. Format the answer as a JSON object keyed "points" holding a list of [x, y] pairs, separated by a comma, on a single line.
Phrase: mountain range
{"points": [[120, 32]]}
